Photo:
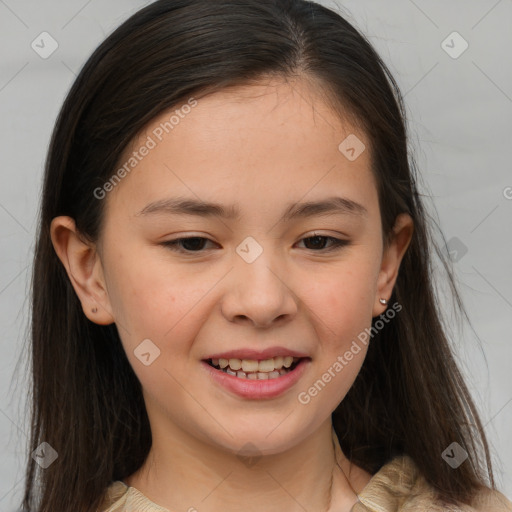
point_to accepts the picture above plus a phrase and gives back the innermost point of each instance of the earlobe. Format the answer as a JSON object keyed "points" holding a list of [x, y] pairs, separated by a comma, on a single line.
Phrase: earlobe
{"points": [[391, 260], [84, 269]]}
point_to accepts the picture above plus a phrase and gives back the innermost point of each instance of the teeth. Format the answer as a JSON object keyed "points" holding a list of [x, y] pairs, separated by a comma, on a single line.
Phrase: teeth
{"points": [[256, 370], [235, 364], [252, 365], [267, 365], [249, 365], [278, 362]]}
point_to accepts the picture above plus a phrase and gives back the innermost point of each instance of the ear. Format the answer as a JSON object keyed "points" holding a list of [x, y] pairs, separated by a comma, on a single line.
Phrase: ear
{"points": [[391, 259], [84, 269]]}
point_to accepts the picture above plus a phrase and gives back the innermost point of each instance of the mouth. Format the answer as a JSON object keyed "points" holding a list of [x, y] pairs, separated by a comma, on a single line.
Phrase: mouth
{"points": [[254, 369]]}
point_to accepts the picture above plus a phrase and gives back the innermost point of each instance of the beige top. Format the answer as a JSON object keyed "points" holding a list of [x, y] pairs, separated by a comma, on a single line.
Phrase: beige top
{"points": [[397, 487]]}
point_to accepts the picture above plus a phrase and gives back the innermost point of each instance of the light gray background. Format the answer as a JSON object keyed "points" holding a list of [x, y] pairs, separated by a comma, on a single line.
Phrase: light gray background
{"points": [[460, 114]]}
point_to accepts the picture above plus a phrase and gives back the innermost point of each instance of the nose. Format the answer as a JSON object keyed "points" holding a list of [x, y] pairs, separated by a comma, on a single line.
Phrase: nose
{"points": [[259, 293]]}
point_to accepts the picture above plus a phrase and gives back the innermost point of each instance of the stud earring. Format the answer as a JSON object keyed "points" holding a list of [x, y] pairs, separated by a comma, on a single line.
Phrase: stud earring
{"points": [[94, 310], [383, 301]]}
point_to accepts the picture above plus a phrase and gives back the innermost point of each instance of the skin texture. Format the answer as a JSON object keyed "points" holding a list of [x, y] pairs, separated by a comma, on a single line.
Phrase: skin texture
{"points": [[261, 147]]}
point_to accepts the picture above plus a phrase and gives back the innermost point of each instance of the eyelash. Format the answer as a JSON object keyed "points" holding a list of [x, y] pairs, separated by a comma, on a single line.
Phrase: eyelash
{"points": [[173, 245]]}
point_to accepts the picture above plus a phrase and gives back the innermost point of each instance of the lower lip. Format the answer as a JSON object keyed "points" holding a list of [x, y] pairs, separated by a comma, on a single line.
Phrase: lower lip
{"points": [[258, 389]]}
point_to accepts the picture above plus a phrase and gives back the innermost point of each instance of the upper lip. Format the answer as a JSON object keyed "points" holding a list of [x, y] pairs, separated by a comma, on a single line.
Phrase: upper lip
{"points": [[247, 353]]}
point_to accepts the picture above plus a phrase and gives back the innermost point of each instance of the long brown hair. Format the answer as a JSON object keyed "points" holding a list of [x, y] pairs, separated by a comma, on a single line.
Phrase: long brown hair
{"points": [[409, 397]]}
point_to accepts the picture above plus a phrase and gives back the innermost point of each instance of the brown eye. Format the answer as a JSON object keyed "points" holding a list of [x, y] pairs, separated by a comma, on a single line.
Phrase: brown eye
{"points": [[189, 244], [317, 243], [196, 244]]}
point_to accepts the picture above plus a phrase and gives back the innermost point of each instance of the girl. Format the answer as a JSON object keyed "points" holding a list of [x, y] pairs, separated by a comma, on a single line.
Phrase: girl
{"points": [[232, 293]]}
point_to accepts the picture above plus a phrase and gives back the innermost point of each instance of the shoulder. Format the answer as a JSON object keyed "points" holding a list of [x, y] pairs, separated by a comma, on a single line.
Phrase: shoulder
{"points": [[399, 486], [113, 497], [492, 501], [119, 497]]}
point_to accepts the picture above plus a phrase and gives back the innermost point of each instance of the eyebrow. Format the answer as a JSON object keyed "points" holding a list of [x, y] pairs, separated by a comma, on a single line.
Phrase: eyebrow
{"points": [[186, 206]]}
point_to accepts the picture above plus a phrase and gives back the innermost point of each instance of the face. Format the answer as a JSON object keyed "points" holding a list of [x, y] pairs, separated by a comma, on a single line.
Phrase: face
{"points": [[268, 281]]}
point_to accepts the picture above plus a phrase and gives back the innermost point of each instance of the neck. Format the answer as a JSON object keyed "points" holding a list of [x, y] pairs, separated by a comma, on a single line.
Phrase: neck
{"points": [[184, 473]]}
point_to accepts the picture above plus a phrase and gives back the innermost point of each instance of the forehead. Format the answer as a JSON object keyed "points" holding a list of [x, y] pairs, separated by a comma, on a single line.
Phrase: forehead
{"points": [[261, 140], [289, 108]]}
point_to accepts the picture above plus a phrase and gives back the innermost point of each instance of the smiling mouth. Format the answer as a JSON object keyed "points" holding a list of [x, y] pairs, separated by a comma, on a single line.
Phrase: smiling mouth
{"points": [[256, 370]]}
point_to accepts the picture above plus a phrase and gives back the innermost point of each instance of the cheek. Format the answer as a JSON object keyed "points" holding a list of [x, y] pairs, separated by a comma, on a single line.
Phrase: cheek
{"points": [[342, 309], [152, 301], [343, 298], [143, 302]]}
